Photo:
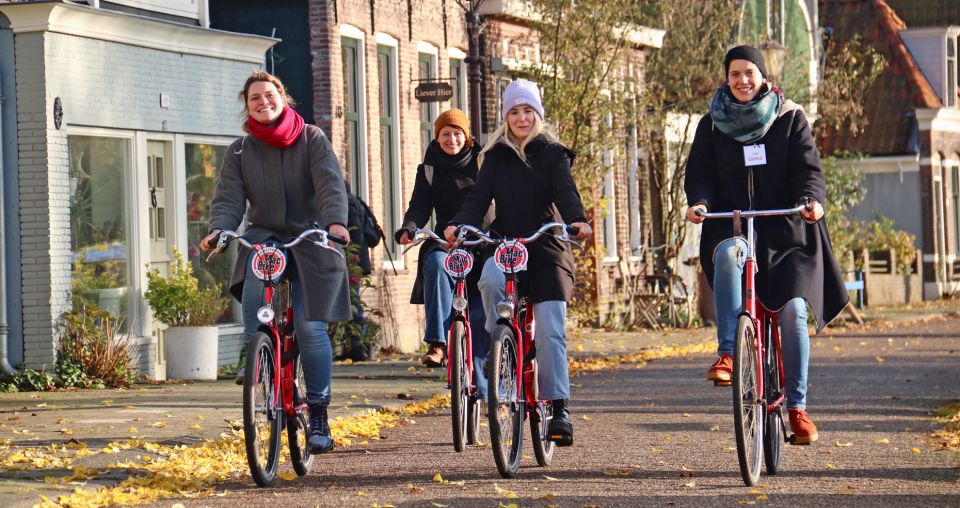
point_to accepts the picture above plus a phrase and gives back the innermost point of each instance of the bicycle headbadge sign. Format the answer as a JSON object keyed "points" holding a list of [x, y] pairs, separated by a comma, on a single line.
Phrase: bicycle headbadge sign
{"points": [[511, 257], [458, 263], [268, 263]]}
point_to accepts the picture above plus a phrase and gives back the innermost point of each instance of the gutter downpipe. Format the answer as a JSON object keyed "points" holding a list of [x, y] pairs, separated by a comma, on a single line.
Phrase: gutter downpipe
{"points": [[5, 366]]}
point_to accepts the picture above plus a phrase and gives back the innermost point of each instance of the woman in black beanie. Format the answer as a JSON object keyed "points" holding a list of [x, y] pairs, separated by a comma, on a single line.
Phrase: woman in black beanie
{"points": [[749, 116]]}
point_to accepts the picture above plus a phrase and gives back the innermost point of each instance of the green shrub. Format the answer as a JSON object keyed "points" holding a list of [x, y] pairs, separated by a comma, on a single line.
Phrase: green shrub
{"points": [[177, 300], [91, 351], [27, 380]]}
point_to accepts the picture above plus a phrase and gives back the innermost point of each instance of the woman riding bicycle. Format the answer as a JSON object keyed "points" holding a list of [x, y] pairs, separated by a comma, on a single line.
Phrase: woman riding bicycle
{"points": [[288, 174], [444, 178], [755, 151], [526, 171]]}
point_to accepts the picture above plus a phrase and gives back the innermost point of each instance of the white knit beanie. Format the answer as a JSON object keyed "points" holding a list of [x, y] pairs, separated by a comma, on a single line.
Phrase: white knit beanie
{"points": [[521, 92]]}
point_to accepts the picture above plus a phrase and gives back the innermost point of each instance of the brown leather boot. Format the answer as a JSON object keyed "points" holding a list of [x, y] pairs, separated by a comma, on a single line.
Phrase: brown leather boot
{"points": [[435, 355]]}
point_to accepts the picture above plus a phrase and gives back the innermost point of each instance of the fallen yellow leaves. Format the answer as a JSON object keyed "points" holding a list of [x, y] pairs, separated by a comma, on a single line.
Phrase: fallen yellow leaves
{"points": [[578, 366]]}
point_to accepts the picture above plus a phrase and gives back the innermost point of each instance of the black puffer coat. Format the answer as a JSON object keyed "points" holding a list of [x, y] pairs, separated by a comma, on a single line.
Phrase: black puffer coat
{"points": [[528, 195], [795, 259], [442, 184]]}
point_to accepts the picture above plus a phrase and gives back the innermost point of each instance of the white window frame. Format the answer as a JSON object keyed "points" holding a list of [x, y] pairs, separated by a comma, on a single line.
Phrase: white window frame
{"points": [[426, 48], [184, 8], [459, 54], [388, 40], [352, 32]]}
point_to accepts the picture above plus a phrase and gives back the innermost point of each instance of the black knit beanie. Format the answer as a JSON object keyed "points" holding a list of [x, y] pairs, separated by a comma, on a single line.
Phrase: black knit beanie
{"points": [[749, 53]]}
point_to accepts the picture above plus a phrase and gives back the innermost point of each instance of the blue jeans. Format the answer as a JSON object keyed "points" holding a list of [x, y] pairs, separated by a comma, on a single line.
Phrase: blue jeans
{"points": [[550, 335], [728, 260], [316, 352], [438, 300]]}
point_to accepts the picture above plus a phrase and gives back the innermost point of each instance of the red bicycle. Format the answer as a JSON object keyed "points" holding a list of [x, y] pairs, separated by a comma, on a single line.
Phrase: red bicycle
{"points": [[464, 406], [757, 377], [274, 389], [512, 393]]}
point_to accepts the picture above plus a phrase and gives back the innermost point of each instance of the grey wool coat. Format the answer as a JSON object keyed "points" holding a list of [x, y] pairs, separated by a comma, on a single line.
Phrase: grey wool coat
{"points": [[285, 190]]}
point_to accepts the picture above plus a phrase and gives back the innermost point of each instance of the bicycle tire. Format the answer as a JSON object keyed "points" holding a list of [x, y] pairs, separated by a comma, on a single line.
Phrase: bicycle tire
{"points": [[748, 413], [261, 422], [773, 430], [474, 414], [540, 418], [459, 396], [298, 431], [504, 408]]}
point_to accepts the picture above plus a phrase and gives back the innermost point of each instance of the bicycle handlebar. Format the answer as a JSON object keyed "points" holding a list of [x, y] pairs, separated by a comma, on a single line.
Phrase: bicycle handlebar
{"points": [[226, 236], [747, 214], [564, 236]]}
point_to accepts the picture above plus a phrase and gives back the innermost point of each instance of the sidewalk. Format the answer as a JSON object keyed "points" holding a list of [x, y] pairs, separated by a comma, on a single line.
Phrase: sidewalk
{"points": [[188, 413]]}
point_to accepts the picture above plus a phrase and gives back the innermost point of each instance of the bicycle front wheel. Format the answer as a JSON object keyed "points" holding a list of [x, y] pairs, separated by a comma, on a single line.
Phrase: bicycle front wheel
{"points": [[262, 420], [299, 429], [459, 396], [504, 408], [773, 431], [748, 411]]}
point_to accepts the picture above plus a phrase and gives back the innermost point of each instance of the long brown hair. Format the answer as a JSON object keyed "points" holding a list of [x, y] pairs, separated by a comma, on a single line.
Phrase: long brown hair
{"points": [[269, 78]]}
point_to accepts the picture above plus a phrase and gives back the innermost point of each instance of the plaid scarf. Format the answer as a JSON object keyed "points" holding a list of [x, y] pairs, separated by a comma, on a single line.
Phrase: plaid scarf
{"points": [[745, 122]]}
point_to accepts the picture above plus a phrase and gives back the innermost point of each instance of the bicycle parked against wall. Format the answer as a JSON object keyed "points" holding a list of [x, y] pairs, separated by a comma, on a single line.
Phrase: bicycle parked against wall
{"points": [[757, 379], [464, 399], [274, 390], [512, 393]]}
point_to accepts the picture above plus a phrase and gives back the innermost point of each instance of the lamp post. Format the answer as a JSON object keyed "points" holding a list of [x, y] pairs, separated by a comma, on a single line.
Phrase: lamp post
{"points": [[474, 61], [774, 54]]}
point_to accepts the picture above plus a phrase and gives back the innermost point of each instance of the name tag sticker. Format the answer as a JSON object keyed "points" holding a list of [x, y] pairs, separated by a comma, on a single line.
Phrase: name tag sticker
{"points": [[755, 155]]}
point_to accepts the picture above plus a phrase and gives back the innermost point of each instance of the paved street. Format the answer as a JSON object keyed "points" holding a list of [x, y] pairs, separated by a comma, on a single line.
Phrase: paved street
{"points": [[652, 435]]}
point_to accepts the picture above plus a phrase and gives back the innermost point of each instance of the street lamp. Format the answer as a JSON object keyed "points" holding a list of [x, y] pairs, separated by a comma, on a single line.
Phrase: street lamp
{"points": [[474, 61], [774, 54]]}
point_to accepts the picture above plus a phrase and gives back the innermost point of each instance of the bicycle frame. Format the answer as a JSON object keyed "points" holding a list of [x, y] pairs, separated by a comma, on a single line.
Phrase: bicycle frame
{"points": [[462, 316]]}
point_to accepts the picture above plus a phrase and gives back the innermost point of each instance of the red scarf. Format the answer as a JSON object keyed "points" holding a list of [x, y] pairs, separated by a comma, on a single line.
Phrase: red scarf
{"points": [[282, 134]]}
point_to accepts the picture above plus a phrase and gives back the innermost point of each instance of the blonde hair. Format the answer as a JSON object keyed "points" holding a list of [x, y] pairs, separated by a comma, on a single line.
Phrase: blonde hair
{"points": [[503, 135], [266, 77]]}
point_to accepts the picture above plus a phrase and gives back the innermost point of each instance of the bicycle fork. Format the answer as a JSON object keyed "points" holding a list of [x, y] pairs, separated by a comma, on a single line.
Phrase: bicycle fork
{"points": [[462, 315]]}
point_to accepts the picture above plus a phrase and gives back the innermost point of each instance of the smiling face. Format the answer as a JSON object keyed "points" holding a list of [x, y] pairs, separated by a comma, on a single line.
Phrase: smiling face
{"points": [[520, 120], [264, 102], [744, 79], [451, 139]]}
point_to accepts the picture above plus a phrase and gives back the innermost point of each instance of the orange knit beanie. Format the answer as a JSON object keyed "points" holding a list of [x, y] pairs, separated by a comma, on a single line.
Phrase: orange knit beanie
{"points": [[456, 118]]}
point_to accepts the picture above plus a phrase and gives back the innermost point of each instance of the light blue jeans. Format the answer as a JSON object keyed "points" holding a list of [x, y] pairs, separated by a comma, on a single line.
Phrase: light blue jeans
{"points": [[550, 335], [438, 300], [728, 260], [316, 352]]}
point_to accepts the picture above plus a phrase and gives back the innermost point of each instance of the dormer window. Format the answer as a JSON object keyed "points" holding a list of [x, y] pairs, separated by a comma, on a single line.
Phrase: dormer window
{"points": [[934, 49]]}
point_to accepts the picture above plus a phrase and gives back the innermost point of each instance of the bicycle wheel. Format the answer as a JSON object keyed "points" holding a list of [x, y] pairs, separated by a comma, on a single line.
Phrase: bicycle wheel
{"points": [[539, 420], [299, 429], [748, 412], [773, 430], [262, 422], [459, 396], [504, 408], [474, 413]]}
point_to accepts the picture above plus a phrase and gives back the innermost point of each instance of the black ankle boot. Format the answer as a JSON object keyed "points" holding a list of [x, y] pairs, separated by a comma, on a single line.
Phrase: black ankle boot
{"points": [[560, 430], [319, 440]]}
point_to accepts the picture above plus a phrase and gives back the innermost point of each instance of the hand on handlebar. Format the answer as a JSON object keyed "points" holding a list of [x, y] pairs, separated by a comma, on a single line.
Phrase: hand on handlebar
{"points": [[812, 212], [450, 234], [339, 231], [583, 230], [209, 242], [693, 215]]}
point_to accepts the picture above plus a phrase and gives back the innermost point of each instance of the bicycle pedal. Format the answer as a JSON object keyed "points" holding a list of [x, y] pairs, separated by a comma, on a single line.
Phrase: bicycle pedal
{"points": [[722, 383], [561, 439]]}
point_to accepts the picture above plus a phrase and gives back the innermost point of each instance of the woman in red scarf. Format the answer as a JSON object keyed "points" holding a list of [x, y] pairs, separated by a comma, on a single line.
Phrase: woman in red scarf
{"points": [[282, 176]]}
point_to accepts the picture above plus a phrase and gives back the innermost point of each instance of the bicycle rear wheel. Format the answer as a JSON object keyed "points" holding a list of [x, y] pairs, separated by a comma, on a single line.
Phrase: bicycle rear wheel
{"points": [[540, 418], [474, 413], [459, 396], [299, 429], [504, 408], [262, 421], [773, 430], [748, 411]]}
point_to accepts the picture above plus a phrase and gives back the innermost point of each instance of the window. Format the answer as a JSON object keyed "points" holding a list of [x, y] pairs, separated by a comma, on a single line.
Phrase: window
{"points": [[388, 129], [457, 81], [610, 216], [98, 222], [203, 163], [955, 183], [428, 110], [950, 99], [354, 162]]}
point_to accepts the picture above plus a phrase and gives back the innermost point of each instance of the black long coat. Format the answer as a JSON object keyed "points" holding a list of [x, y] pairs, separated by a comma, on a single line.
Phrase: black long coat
{"points": [[442, 194], [285, 190], [795, 259], [528, 195]]}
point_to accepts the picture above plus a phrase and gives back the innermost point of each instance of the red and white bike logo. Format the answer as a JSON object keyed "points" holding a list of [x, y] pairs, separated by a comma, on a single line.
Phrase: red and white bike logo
{"points": [[511, 257], [268, 263], [458, 263]]}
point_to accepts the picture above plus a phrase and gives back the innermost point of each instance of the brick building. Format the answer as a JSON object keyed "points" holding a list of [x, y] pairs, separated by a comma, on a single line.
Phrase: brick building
{"points": [[113, 120]]}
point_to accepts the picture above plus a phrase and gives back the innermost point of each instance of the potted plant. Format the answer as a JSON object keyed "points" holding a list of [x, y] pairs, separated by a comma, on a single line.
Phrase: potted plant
{"points": [[190, 313]]}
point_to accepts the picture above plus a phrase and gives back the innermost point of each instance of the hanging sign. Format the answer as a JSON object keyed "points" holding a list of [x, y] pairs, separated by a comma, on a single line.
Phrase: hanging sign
{"points": [[433, 91]]}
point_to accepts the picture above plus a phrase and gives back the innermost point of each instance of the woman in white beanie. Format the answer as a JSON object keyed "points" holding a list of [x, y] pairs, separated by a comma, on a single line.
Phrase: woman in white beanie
{"points": [[527, 171]]}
